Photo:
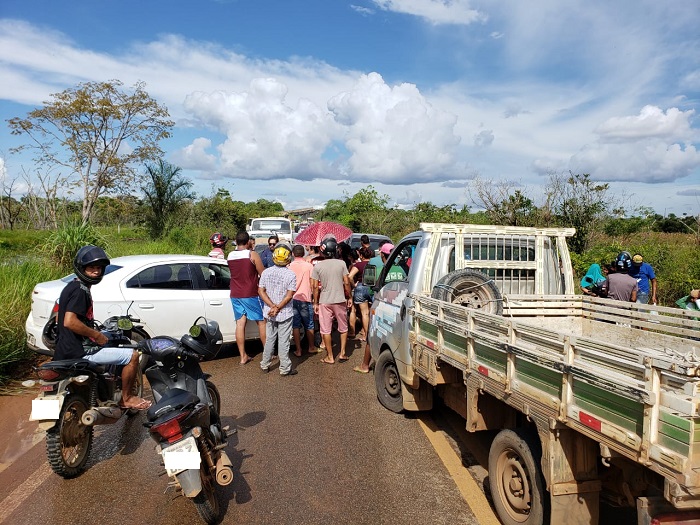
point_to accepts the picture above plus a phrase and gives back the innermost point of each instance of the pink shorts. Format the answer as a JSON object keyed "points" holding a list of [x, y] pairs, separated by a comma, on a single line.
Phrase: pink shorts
{"points": [[328, 312]]}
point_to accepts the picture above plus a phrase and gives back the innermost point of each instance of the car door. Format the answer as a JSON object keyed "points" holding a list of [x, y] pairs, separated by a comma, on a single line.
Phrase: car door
{"points": [[391, 302], [214, 281], [164, 298]]}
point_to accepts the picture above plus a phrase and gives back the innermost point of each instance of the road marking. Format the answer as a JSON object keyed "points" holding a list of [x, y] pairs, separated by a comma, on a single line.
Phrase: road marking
{"points": [[472, 494], [26, 489]]}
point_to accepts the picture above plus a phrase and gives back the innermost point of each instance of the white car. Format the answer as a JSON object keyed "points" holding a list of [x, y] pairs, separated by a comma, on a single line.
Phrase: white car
{"points": [[166, 292]]}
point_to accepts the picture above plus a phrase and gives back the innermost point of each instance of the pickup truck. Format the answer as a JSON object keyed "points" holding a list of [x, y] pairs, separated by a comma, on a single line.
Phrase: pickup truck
{"points": [[590, 398]]}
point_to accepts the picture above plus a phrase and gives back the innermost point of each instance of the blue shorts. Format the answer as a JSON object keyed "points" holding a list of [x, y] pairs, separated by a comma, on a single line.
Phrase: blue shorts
{"points": [[360, 294], [251, 307], [303, 314], [111, 356]]}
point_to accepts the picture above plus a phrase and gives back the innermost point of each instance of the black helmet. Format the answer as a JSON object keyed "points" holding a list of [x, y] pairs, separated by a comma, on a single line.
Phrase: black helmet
{"points": [[623, 261], [89, 256], [204, 338], [328, 246]]}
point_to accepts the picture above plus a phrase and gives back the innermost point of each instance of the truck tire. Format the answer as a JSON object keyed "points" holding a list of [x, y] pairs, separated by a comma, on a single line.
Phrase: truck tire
{"points": [[470, 288], [516, 482], [388, 382]]}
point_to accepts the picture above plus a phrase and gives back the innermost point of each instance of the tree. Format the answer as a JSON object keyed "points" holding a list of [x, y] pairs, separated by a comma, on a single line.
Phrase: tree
{"points": [[165, 192], [581, 203], [99, 133], [503, 204]]}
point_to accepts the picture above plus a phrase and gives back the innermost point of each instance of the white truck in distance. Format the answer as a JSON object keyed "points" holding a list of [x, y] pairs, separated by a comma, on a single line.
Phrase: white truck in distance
{"points": [[261, 228], [592, 398]]}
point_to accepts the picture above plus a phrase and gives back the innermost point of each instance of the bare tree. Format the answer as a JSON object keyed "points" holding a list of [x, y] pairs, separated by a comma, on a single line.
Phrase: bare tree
{"points": [[503, 202], [10, 207], [99, 133]]}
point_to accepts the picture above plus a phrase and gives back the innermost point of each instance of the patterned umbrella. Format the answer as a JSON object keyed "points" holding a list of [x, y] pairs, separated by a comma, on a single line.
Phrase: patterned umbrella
{"points": [[314, 234]]}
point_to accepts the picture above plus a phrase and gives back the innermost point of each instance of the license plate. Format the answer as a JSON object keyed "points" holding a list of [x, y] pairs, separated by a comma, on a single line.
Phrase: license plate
{"points": [[31, 340], [183, 455], [43, 409]]}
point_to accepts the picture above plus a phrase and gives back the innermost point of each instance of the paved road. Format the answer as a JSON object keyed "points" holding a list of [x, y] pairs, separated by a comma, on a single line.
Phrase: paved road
{"points": [[313, 448]]}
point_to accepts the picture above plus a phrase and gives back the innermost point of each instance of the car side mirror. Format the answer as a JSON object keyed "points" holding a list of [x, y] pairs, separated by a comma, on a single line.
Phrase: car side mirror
{"points": [[369, 276]]}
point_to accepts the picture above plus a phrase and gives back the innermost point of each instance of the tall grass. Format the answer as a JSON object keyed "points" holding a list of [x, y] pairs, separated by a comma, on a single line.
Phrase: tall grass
{"points": [[16, 284]]}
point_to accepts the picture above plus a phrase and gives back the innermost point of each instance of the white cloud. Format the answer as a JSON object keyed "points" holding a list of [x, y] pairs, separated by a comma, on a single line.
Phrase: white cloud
{"points": [[437, 12], [484, 138], [195, 156], [393, 134], [654, 146], [651, 122], [266, 137]]}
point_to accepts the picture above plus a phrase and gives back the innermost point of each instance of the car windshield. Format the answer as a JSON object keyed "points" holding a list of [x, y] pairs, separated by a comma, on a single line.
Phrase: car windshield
{"points": [[110, 268], [281, 226]]}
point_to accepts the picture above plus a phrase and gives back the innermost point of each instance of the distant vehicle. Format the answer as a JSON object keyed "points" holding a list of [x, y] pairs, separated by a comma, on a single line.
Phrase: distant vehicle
{"points": [[374, 240], [261, 228], [164, 291]]}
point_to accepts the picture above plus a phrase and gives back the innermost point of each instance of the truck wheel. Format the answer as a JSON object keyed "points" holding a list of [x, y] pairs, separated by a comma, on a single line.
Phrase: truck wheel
{"points": [[517, 485], [388, 382], [470, 288]]}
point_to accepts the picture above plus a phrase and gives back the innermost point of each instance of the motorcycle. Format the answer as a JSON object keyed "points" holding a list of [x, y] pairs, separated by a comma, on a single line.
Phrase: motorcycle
{"points": [[76, 394], [185, 419]]}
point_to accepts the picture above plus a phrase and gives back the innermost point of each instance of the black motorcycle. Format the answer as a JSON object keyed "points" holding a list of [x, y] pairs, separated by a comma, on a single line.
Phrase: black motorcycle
{"points": [[76, 394], [184, 420]]}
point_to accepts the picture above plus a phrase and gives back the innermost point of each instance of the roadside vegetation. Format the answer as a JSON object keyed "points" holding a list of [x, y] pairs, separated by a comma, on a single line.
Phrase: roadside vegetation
{"points": [[87, 187]]}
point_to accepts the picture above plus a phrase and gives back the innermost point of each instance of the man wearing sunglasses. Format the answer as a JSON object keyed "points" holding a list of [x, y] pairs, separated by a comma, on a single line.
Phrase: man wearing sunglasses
{"points": [[266, 255]]}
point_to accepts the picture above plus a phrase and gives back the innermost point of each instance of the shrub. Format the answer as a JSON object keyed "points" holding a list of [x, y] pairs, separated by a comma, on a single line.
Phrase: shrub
{"points": [[62, 245]]}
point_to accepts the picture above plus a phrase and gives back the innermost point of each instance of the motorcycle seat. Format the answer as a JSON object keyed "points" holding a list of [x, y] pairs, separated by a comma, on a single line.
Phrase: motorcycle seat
{"points": [[173, 399], [73, 365]]}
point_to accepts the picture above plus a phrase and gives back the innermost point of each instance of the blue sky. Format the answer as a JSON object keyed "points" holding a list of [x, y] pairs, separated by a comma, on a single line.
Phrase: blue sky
{"points": [[302, 101]]}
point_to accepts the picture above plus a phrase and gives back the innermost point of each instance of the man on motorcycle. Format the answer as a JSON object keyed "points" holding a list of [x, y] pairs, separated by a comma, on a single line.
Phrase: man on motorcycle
{"points": [[75, 321]]}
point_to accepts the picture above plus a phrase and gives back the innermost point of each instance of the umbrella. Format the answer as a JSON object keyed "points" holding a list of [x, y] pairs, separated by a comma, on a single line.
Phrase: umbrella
{"points": [[314, 234]]}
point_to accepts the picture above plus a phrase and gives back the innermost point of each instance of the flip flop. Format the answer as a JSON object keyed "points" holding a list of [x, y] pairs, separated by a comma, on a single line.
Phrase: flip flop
{"points": [[325, 361], [358, 369], [344, 358], [143, 405], [246, 361]]}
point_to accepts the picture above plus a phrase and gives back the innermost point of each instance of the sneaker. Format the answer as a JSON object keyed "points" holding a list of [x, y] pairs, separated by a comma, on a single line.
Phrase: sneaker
{"points": [[291, 373], [265, 370]]}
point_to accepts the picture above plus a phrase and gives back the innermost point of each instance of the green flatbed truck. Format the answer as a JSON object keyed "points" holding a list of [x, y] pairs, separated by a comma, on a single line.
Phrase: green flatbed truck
{"points": [[592, 398]]}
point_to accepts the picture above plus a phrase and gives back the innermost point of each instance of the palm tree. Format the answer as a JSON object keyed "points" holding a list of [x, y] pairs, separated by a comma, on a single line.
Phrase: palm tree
{"points": [[165, 193]]}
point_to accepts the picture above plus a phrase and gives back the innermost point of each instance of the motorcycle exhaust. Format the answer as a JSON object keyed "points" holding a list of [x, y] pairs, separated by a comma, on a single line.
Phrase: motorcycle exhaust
{"points": [[101, 416], [224, 470]]}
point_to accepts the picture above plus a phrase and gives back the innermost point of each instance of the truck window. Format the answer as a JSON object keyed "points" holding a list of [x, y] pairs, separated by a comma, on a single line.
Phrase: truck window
{"points": [[398, 265], [279, 226]]}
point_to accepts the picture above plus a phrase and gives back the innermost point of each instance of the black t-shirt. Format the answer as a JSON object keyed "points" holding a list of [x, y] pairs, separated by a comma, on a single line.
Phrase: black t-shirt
{"points": [[75, 298]]}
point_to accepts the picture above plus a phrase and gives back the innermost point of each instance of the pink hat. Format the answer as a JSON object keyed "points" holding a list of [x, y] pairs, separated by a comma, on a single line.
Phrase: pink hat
{"points": [[386, 248]]}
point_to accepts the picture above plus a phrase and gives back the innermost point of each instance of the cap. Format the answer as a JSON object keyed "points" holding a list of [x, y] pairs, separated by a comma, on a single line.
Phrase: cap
{"points": [[386, 248], [637, 259]]}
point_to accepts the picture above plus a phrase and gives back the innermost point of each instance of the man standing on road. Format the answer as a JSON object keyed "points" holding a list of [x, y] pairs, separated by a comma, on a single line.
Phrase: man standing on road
{"points": [[245, 267], [331, 295], [302, 304], [646, 279], [277, 287]]}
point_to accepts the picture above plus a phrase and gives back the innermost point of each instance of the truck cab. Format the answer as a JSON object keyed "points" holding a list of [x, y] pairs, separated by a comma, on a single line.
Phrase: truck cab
{"points": [[444, 260], [261, 228]]}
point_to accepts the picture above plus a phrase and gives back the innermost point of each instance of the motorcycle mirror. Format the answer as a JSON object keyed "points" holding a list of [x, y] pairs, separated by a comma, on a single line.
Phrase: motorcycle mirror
{"points": [[124, 323], [195, 330]]}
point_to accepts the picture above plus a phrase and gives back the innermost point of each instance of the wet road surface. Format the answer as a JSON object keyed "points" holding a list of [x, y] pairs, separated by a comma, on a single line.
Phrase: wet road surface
{"points": [[312, 448]]}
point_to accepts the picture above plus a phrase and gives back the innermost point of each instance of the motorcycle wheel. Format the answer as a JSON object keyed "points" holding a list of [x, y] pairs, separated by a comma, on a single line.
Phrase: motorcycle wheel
{"points": [[69, 442], [214, 396], [207, 501]]}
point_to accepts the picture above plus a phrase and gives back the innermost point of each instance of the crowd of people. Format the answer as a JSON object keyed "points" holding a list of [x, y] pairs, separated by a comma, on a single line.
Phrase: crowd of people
{"points": [[628, 278], [290, 291]]}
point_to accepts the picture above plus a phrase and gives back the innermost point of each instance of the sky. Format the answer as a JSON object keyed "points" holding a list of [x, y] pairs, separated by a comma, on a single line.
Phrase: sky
{"points": [[301, 102]]}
